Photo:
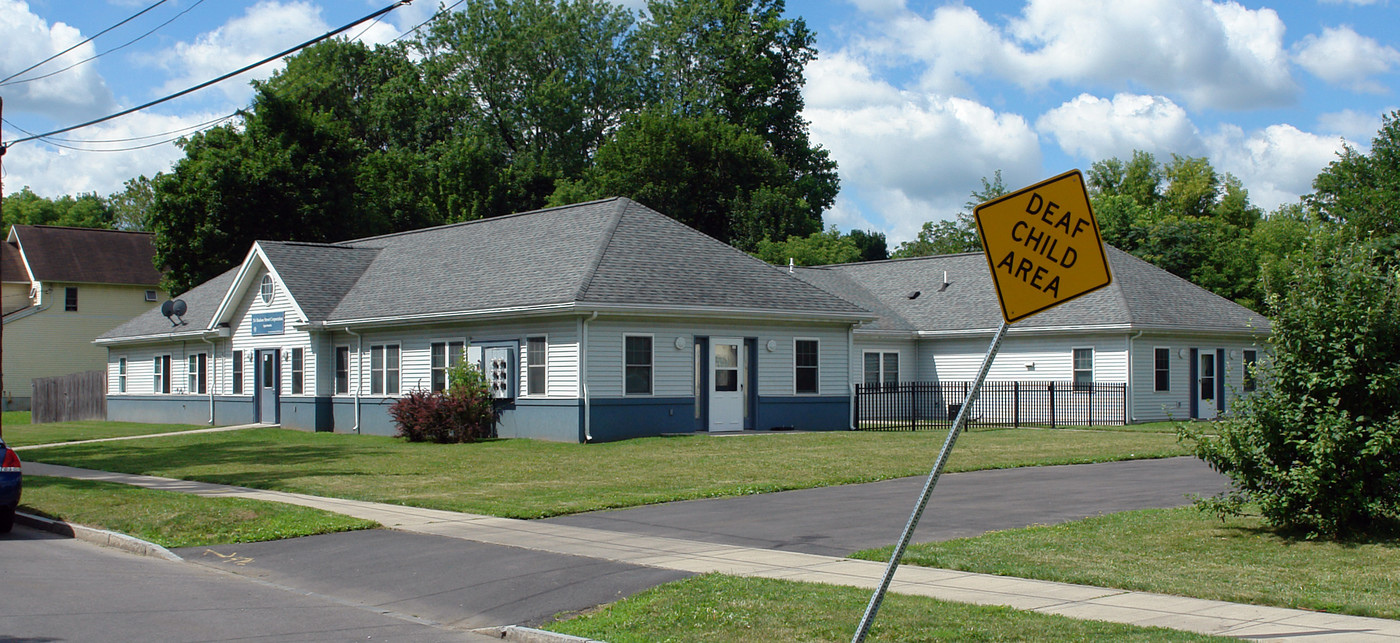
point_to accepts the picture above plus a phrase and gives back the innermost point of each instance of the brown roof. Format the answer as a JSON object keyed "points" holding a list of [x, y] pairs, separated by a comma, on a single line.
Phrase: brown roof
{"points": [[88, 255], [11, 266]]}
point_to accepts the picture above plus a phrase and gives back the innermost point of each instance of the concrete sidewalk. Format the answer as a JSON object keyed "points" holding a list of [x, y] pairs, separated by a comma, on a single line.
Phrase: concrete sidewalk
{"points": [[1075, 601]]}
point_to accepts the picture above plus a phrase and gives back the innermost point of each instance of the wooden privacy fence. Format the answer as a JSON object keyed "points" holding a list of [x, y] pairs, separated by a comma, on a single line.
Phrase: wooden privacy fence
{"points": [[76, 396], [912, 406]]}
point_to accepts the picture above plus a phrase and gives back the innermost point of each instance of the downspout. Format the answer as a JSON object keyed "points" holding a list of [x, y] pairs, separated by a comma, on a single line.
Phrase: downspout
{"points": [[1128, 397], [214, 366], [850, 369], [583, 378], [359, 374]]}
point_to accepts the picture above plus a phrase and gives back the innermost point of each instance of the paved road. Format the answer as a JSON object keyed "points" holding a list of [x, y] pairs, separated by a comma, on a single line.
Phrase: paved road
{"points": [[460, 584], [835, 521], [57, 589]]}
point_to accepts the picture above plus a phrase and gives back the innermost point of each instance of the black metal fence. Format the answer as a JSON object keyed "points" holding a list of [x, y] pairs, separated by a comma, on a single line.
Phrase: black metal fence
{"points": [[913, 406]]}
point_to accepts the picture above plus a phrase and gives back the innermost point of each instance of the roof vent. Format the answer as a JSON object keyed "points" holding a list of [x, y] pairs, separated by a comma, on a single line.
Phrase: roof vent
{"points": [[945, 282], [914, 295], [175, 308]]}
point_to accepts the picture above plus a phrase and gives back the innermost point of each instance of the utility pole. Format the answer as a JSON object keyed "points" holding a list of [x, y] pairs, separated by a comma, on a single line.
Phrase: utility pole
{"points": [[2, 217]]}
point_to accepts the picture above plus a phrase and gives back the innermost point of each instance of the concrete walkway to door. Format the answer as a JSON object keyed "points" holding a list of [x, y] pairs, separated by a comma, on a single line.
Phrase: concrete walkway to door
{"points": [[1075, 601]]}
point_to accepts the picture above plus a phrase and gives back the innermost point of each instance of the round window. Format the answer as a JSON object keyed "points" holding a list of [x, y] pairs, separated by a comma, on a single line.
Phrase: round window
{"points": [[266, 289]]}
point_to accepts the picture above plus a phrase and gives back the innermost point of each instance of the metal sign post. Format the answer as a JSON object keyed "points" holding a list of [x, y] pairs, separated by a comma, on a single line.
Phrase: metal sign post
{"points": [[958, 423]]}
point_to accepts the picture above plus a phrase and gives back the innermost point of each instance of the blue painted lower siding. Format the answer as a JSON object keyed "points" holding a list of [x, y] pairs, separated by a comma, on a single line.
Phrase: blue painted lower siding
{"points": [[551, 419]]}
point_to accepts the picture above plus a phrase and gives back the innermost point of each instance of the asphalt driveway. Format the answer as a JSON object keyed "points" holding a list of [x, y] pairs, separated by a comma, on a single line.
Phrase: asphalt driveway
{"points": [[835, 521]]}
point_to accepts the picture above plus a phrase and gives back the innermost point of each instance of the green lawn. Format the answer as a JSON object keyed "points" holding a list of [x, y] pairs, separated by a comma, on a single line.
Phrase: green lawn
{"points": [[173, 519], [19, 432], [532, 479], [716, 608], [1187, 553]]}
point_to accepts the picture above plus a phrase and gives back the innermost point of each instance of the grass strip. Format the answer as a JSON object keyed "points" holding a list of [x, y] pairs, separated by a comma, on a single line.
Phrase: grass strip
{"points": [[21, 434], [173, 519], [1186, 553], [716, 608], [533, 479]]}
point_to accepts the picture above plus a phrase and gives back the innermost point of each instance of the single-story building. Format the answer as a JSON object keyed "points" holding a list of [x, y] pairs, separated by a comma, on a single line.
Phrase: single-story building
{"points": [[593, 322]]}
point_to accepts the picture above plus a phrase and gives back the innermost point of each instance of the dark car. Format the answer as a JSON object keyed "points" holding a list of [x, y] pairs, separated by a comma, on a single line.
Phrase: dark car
{"points": [[10, 482]]}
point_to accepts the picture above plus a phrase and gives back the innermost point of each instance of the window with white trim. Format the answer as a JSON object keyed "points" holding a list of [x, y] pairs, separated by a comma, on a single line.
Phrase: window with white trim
{"points": [[121, 375], [342, 370], [536, 365], [805, 359], [1161, 369], [637, 364], [1083, 369], [70, 299], [384, 369], [298, 371], [265, 289], [160, 374], [1251, 366], [198, 373], [237, 372], [881, 369], [445, 355]]}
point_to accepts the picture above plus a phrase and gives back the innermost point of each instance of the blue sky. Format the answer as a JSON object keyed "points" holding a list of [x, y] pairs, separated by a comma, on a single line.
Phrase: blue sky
{"points": [[917, 100]]}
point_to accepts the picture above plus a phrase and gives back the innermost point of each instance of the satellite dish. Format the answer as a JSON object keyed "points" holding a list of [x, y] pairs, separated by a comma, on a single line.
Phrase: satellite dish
{"points": [[178, 307], [165, 308]]}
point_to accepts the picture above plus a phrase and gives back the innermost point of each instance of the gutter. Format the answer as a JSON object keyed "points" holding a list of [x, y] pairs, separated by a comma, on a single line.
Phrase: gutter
{"points": [[213, 366], [583, 377], [359, 375]]}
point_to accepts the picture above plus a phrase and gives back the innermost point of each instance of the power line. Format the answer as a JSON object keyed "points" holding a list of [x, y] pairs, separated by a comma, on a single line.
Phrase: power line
{"points": [[124, 45], [90, 39], [435, 16], [224, 77]]}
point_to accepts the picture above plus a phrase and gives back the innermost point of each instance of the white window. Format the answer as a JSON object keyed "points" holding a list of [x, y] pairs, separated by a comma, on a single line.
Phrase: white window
{"points": [[384, 369], [150, 295], [298, 371], [198, 370], [1162, 369], [265, 289], [160, 369], [1083, 369], [881, 369], [804, 366], [445, 355], [121, 375], [637, 365], [536, 365], [342, 370], [237, 372]]}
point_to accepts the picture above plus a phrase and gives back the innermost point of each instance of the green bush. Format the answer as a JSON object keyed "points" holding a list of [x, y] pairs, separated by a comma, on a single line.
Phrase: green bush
{"points": [[1318, 447], [463, 413]]}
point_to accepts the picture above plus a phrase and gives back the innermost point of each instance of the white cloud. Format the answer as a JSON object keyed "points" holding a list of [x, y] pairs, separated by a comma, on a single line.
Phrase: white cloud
{"points": [[51, 171], [1211, 55], [76, 94], [264, 29], [1343, 57], [1096, 128], [1351, 124], [911, 157], [1277, 164]]}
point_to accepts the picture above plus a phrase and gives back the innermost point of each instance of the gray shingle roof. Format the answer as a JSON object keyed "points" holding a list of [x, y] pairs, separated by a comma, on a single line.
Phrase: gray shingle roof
{"points": [[201, 302], [1141, 295], [317, 275]]}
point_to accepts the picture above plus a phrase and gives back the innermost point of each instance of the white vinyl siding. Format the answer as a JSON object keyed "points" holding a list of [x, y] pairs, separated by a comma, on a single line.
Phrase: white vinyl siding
{"points": [[244, 341], [1028, 358]]}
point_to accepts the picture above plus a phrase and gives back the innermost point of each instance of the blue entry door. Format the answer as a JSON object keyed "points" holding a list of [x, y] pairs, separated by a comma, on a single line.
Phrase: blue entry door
{"points": [[268, 389]]}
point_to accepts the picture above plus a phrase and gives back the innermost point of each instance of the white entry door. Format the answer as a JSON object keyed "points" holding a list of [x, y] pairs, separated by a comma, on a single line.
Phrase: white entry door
{"points": [[727, 375], [1206, 372]]}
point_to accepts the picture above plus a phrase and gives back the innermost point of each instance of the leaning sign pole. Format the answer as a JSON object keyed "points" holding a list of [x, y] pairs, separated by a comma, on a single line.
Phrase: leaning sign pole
{"points": [[1043, 247]]}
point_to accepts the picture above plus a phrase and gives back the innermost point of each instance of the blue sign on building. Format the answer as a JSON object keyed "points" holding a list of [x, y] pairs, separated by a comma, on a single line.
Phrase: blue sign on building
{"points": [[268, 323]]}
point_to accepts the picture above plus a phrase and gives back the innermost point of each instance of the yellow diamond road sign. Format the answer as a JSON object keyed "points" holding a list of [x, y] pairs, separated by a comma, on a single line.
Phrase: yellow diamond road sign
{"points": [[1043, 245]]}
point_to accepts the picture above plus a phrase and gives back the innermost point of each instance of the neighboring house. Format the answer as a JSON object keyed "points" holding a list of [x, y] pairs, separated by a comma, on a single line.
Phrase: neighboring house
{"points": [[603, 321], [598, 321], [62, 288], [1180, 350]]}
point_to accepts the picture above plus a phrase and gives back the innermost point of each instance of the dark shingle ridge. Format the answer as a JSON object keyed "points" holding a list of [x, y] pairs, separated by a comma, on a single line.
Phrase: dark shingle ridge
{"points": [[607, 239], [448, 226]]}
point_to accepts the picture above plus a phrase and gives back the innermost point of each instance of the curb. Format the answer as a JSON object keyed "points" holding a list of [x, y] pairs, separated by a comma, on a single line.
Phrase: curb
{"points": [[531, 635], [99, 537]]}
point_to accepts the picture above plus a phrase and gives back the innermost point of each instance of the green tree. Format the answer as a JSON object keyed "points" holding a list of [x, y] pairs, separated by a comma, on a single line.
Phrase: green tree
{"points": [[1361, 192], [1317, 447], [957, 235], [131, 208], [817, 249], [84, 211], [712, 175], [872, 244]]}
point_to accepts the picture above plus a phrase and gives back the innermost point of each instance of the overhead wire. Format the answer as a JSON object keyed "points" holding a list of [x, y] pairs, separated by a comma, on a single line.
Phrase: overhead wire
{"points": [[439, 14], [207, 83], [90, 39], [128, 43]]}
